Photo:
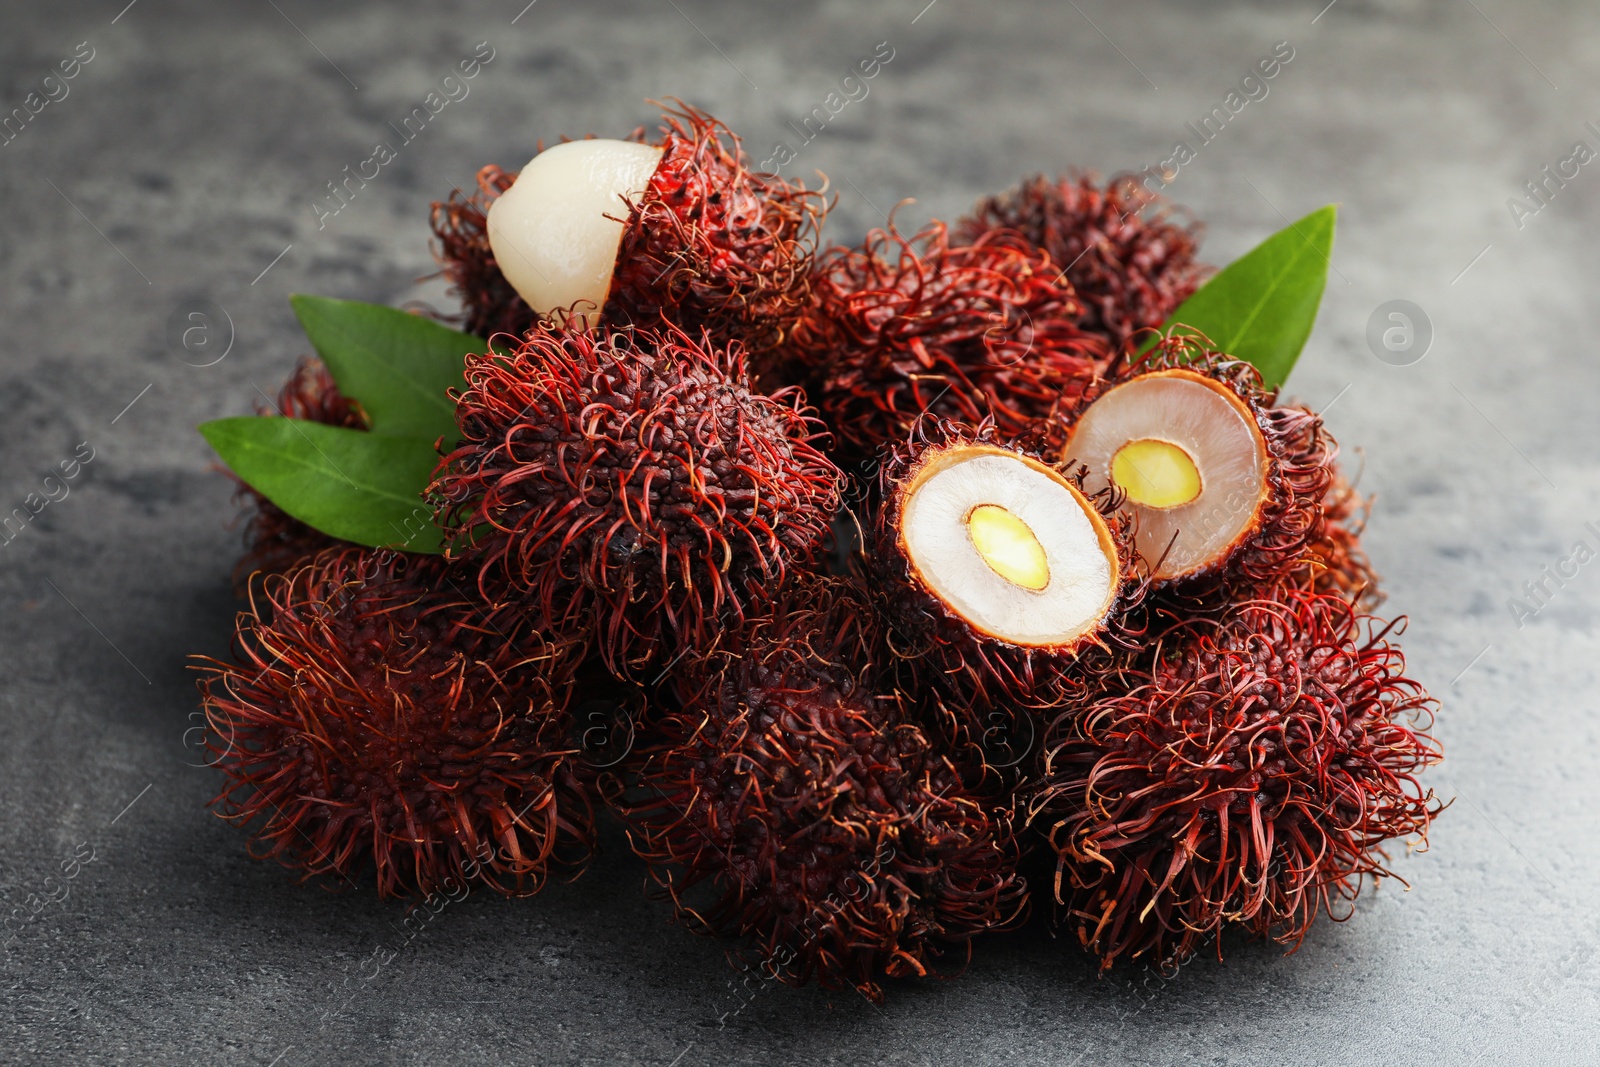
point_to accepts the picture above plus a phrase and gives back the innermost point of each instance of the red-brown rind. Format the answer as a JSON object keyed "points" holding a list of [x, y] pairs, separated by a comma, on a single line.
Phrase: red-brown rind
{"points": [[632, 481], [1249, 779], [1128, 255], [375, 724], [791, 800]]}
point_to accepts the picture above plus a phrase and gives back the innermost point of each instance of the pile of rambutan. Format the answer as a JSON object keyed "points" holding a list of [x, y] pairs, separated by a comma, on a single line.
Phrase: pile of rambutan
{"points": [[912, 568]]}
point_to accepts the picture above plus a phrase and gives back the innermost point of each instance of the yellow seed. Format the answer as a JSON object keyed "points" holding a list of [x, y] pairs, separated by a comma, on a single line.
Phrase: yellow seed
{"points": [[1157, 474], [1008, 546]]}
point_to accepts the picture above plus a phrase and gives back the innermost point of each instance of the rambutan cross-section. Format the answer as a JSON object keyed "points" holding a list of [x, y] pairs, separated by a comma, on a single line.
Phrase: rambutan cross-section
{"points": [[632, 481], [1008, 591], [1226, 484], [373, 719]]}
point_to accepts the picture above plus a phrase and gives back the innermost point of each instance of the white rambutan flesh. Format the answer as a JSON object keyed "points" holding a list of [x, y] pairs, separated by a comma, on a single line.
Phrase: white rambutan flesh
{"points": [[1009, 545], [555, 233], [1191, 459]]}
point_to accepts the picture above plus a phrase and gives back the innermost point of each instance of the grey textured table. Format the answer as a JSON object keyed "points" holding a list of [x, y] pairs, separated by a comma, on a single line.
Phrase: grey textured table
{"points": [[183, 163]]}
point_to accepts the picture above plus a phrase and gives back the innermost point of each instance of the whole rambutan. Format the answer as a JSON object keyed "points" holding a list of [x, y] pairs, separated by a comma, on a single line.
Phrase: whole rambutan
{"points": [[275, 541], [1249, 779], [633, 480], [1225, 486], [373, 718], [1006, 586], [904, 327], [1126, 253], [629, 231], [790, 799]]}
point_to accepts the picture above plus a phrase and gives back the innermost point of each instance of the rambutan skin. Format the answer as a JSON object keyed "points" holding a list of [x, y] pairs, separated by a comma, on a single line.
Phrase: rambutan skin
{"points": [[710, 245], [714, 246], [1126, 253], [1249, 777], [908, 326], [974, 677], [1336, 562], [275, 542], [489, 304], [373, 719], [631, 480], [790, 799]]}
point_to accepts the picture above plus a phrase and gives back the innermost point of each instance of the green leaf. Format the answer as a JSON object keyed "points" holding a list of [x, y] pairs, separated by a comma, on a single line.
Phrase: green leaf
{"points": [[1261, 307], [353, 485], [398, 365]]}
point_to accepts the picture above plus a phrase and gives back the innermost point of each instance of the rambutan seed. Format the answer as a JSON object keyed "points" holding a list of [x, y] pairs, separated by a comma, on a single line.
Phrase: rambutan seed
{"points": [[1248, 777], [631, 482], [791, 800], [372, 719]]}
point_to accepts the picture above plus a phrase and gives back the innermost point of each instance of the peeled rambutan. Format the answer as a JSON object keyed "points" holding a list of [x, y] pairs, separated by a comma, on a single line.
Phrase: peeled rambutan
{"points": [[1007, 588], [275, 541], [1126, 253], [1225, 486], [790, 799], [628, 231], [1250, 778], [905, 327], [374, 719], [633, 480]]}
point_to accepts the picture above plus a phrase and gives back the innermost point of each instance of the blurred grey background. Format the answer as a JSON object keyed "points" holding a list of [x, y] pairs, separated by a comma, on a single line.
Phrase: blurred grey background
{"points": [[182, 163]]}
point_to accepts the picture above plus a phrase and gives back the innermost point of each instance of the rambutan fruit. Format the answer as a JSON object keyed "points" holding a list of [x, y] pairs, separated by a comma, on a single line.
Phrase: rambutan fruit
{"points": [[1222, 484], [620, 232], [1249, 778], [1127, 254], [489, 304], [905, 327], [275, 542], [632, 480], [1004, 583], [1335, 559], [374, 719], [790, 799]]}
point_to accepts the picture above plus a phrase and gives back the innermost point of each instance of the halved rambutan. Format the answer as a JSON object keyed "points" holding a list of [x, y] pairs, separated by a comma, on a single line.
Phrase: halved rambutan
{"points": [[790, 799], [1124, 250], [625, 232], [905, 327], [1222, 484], [373, 718], [1006, 586], [633, 479], [1250, 779], [275, 542]]}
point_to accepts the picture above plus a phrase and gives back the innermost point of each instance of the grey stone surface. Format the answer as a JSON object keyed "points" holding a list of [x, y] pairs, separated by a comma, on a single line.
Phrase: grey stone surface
{"points": [[188, 155]]}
